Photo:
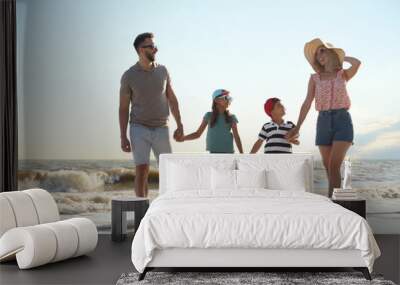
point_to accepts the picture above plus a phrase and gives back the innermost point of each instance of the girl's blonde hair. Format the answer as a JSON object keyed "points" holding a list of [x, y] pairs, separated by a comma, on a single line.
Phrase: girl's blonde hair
{"points": [[333, 58]]}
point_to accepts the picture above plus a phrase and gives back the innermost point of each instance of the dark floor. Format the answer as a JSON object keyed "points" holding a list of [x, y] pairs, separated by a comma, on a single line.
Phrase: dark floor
{"points": [[110, 260], [103, 266]]}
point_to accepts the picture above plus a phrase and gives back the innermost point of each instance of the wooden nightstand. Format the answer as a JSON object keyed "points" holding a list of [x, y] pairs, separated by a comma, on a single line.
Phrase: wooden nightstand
{"points": [[357, 206]]}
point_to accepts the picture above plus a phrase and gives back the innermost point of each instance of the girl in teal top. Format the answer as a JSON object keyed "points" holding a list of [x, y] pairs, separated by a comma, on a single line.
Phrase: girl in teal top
{"points": [[220, 123]]}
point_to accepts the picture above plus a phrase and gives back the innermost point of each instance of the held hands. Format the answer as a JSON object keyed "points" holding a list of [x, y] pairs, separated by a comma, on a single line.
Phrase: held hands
{"points": [[178, 134], [293, 134], [180, 139]]}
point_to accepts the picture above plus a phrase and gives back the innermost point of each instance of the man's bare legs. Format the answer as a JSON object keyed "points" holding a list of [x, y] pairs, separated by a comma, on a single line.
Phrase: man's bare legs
{"points": [[141, 185]]}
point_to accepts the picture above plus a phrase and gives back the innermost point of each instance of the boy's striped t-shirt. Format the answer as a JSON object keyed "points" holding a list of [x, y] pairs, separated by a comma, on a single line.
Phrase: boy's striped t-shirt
{"points": [[274, 136]]}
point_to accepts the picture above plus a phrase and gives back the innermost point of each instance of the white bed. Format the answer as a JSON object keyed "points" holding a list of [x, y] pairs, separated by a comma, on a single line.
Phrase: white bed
{"points": [[203, 220]]}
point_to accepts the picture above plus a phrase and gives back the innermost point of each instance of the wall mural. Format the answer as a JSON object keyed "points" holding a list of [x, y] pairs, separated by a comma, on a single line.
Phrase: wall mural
{"points": [[70, 61]]}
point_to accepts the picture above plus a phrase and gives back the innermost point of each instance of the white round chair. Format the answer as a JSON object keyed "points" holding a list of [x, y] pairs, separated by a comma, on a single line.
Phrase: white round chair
{"points": [[31, 231]]}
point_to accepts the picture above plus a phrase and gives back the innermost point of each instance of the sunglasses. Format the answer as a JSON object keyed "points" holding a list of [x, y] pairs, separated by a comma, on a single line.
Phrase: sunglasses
{"points": [[149, 46], [225, 97], [321, 50]]}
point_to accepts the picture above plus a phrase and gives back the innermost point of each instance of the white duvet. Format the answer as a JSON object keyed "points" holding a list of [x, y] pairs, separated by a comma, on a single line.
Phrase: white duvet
{"points": [[252, 218]]}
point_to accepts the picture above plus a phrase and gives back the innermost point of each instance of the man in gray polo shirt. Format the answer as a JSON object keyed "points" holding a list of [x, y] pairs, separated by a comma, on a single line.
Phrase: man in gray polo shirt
{"points": [[146, 87]]}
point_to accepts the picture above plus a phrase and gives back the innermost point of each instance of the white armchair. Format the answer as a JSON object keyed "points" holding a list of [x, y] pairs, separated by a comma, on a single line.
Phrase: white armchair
{"points": [[31, 230]]}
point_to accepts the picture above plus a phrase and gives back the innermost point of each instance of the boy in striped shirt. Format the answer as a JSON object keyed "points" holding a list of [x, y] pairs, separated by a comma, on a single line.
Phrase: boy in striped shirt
{"points": [[273, 132]]}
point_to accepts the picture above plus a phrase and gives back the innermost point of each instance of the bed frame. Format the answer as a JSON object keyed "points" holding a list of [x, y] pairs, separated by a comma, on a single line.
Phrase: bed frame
{"points": [[249, 259], [246, 259]]}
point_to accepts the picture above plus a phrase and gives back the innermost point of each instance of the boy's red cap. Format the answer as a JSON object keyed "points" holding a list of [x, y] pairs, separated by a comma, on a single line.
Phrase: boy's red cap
{"points": [[269, 105]]}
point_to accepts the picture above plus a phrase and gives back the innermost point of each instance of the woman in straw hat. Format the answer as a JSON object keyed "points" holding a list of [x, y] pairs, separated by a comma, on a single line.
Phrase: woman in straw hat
{"points": [[328, 87]]}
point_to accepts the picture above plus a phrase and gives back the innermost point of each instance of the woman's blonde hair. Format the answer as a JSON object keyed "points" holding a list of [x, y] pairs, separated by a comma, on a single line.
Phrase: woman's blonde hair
{"points": [[333, 58]]}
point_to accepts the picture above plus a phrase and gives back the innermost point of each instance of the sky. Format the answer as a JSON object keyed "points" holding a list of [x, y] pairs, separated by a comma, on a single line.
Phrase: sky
{"points": [[71, 55]]}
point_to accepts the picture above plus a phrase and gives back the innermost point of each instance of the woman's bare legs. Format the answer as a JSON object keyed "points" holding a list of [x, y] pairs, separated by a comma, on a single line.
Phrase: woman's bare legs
{"points": [[339, 150], [332, 158], [325, 151]]}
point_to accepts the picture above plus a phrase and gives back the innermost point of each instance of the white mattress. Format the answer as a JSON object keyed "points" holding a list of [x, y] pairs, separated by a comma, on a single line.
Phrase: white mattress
{"points": [[252, 218]]}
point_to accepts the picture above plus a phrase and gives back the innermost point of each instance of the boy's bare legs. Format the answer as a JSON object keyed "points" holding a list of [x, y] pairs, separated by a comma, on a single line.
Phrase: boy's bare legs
{"points": [[141, 186]]}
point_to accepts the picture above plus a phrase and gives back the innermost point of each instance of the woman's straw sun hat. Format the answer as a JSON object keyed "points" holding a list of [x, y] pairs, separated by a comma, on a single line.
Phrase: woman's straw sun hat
{"points": [[311, 47]]}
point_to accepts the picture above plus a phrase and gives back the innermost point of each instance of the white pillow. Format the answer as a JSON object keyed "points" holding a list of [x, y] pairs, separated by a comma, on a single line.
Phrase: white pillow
{"points": [[223, 179], [188, 177], [284, 173], [251, 178], [194, 174], [291, 178]]}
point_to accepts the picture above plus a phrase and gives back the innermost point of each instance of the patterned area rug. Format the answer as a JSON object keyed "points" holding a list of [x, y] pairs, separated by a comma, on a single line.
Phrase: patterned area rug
{"points": [[242, 278]]}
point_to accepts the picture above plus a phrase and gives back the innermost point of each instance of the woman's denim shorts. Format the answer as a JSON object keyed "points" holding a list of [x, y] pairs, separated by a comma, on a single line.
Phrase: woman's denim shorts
{"points": [[334, 125]]}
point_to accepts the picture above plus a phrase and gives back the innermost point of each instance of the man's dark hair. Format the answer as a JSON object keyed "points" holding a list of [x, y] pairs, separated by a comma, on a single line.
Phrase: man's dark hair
{"points": [[140, 39]]}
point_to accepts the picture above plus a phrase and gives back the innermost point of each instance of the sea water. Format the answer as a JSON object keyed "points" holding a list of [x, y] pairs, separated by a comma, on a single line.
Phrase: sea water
{"points": [[85, 187]]}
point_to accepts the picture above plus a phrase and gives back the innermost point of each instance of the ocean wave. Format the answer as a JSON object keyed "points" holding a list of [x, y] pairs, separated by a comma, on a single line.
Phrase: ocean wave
{"points": [[79, 180], [97, 176], [91, 202], [76, 204], [62, 180]]}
